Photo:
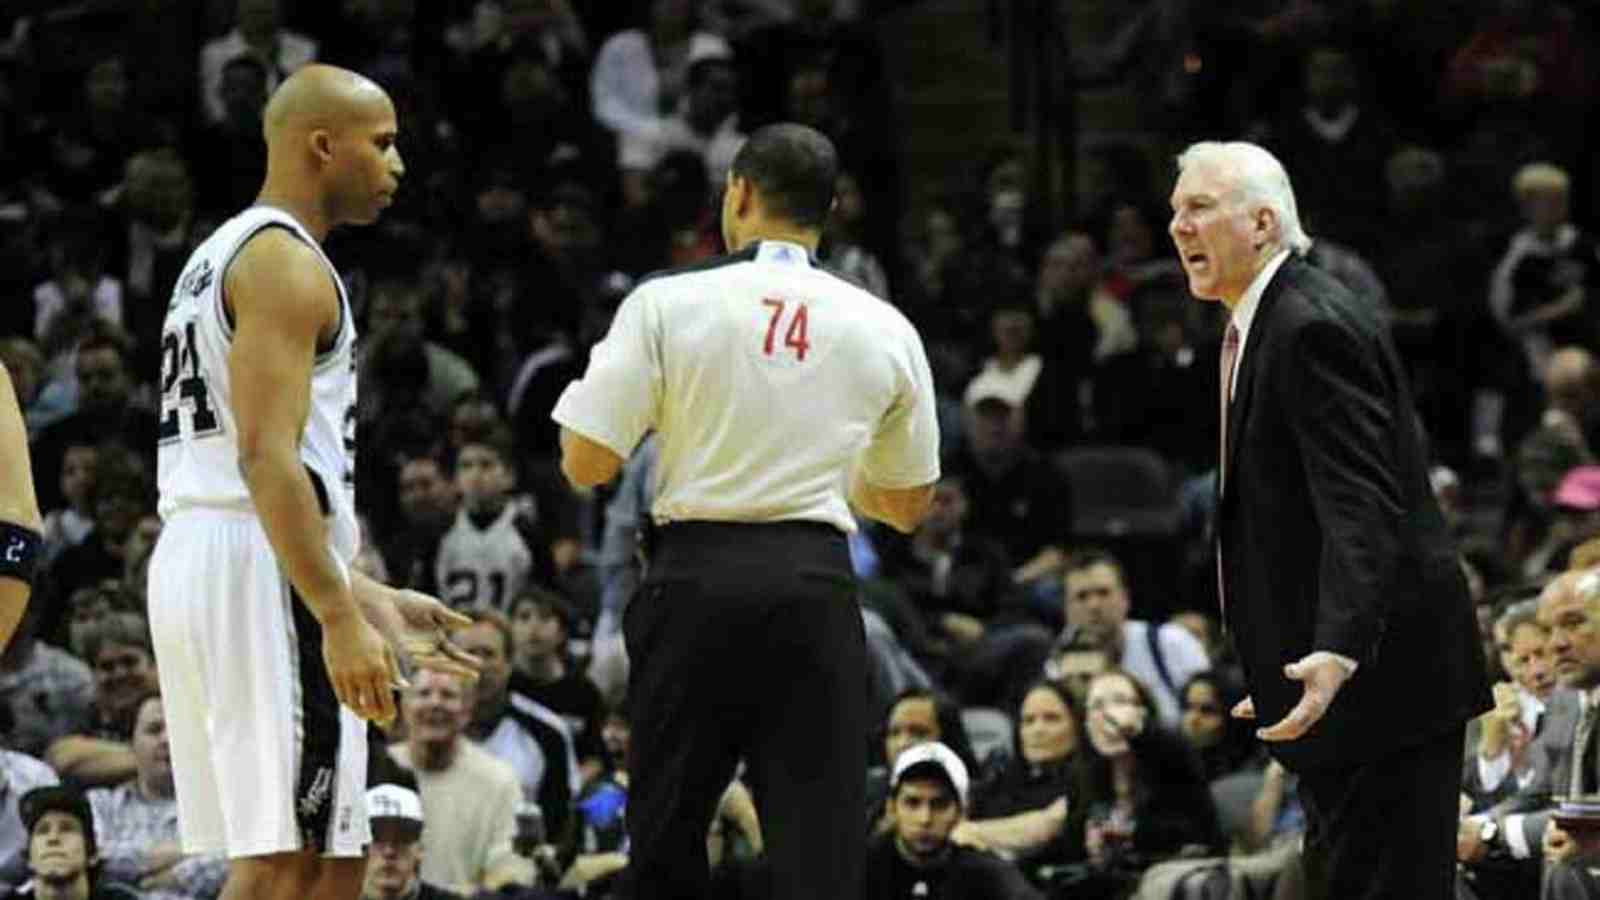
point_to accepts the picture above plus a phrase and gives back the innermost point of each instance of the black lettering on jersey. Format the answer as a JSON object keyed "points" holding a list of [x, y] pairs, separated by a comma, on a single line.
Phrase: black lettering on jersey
{"points": [[193, 282], [183, 387]]}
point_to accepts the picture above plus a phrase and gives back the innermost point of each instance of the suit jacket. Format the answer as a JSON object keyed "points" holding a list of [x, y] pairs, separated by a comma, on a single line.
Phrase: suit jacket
{"points": [[1551, 753], [1330, 536]]}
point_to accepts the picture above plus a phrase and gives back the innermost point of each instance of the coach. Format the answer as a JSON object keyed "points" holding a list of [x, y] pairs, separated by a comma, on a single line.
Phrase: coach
{"points": [[1338, 579], [772, 385]]}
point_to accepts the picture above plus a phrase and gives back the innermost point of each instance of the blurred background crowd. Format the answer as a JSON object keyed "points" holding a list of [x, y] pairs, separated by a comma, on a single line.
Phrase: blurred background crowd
{"points": [[1444, 155]]}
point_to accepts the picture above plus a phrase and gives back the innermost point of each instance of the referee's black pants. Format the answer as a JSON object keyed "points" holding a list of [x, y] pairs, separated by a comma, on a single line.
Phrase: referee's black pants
{"points": [[745, 642]]}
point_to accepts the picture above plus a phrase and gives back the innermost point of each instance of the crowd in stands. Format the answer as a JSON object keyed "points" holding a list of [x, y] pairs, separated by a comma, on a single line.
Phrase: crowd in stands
{"points": [[1046, 650]]}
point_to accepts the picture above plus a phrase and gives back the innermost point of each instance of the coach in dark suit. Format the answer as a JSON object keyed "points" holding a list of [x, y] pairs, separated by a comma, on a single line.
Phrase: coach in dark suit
{"points": [[1339, 583]]}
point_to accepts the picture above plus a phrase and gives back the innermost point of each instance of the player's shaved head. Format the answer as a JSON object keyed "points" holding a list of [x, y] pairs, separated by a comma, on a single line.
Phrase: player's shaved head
{"points": [[320, 96]]}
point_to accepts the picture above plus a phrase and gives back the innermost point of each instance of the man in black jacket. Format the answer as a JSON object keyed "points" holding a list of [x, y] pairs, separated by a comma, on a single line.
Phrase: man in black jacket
{"points": [[1337, 575], [927, 798]]}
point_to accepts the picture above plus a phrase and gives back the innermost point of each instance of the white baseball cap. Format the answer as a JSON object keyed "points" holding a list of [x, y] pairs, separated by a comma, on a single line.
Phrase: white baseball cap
{"points": [[934, 754], [391, 801]]}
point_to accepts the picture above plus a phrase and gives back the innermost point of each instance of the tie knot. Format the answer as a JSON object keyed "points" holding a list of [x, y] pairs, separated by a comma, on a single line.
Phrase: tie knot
{"points": [[1231, 340]]}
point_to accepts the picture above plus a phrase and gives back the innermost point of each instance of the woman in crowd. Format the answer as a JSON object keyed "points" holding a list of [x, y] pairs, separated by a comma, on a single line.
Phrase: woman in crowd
{"points": [[1032, 810], [1148, 799], [1222, 742]]}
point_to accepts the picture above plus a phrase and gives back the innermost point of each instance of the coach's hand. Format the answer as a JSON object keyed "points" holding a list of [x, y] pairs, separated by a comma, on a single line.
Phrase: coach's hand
{"points": [[422, 635], [1322, 676], [361, 667]]}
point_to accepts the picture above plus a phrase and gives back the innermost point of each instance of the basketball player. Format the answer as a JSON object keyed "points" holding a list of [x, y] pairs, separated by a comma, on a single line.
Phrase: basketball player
{"points": [[271, 648], [20, 538]]}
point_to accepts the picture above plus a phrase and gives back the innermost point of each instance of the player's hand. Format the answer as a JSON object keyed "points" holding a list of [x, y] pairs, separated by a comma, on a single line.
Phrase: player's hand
{"points": [[1322, 676], [361, 667], [421, 634]]}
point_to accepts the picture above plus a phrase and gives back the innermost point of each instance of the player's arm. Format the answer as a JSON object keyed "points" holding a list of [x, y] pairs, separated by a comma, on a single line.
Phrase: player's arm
{"points": [[20, 523], [587, 463], [282, 302]]}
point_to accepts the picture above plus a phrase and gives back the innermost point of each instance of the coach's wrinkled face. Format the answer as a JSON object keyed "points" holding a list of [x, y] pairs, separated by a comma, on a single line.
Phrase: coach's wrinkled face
{"points": [[436, 707]]}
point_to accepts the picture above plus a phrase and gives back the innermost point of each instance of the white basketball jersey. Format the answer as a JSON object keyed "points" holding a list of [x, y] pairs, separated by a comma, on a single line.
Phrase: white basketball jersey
{"points": [[198, 453]]}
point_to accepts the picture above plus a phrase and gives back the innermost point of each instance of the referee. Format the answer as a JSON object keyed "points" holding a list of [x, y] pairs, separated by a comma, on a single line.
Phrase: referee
{"points": [[772, 385]]}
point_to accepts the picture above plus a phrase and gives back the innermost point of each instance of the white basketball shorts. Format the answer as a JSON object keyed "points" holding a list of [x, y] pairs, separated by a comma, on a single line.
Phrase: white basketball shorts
{"points": [[264, 758]]}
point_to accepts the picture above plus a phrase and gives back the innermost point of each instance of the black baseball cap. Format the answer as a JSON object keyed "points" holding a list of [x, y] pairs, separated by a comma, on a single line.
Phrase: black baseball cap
{"points": [[58, 798]]}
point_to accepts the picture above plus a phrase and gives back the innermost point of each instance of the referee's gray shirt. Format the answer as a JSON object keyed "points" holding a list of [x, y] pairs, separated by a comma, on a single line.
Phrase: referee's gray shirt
{"points": [[768, 380]]}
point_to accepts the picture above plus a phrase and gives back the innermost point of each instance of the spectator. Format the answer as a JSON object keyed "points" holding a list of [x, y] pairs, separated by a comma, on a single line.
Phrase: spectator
{"points": [[518, 732], [1163, 657], [917, 716], [118, 649], [1078, 656], [1338, 133], [1539, 291], [640, 74], [1572, 394], [707, 123], [80, 290], [230, 154], [21, 773], [119, 496], [394, 858], [395, 319], [259, 32], [136, 822], [1148, 799], [469, 796], [45, 690], [68, 525], [496, 547], [1081, 323], [844, 251], [428, 502], [1033, 808], [546, 130], [541, 631], [1016, 495], [106, 410], [960, 584], [1499, 764], [62, 852], [86, 145], [42, 404], [501, 36], [158, 229], [928, 797], [1222, 741]]}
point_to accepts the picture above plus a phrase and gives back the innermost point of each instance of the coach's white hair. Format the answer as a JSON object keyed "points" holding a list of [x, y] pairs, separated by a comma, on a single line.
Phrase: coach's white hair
{"points": [[1259, 178]]}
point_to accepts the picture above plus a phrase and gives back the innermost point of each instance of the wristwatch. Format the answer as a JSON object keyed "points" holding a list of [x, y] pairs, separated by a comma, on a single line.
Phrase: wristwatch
{"points": [[1488, 831]]}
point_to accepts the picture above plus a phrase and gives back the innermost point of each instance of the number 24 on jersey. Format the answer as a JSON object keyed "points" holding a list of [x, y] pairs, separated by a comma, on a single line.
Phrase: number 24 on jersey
{"points": [[794, 336]]}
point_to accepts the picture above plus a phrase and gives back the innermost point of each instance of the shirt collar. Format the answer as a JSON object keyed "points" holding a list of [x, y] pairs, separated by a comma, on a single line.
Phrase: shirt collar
{"points": [[1245, 311], [785, 252]]}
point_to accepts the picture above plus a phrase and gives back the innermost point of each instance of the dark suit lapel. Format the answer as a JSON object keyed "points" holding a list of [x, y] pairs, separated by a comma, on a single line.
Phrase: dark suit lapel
{"points": [[1256, 345]]}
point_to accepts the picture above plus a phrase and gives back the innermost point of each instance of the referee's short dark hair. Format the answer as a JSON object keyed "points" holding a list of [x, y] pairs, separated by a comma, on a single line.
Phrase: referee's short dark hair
{"points": [[793, 168]]}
